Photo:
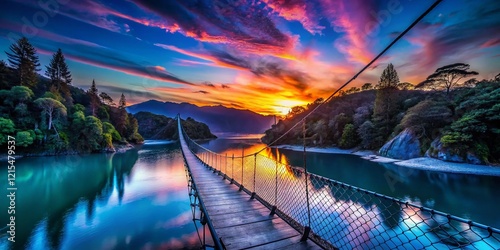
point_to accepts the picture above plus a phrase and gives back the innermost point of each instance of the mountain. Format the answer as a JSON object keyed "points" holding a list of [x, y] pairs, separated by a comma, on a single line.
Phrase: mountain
{"points": [[220, 119], [160, 127]]}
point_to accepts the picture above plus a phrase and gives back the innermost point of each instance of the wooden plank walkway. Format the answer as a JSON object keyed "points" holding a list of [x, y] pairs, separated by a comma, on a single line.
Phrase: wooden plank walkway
{"points": [[239, 222]]}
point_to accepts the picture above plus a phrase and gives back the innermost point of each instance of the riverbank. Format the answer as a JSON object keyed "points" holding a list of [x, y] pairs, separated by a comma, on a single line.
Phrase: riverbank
{"points": [[118, 148], [422, 163]]}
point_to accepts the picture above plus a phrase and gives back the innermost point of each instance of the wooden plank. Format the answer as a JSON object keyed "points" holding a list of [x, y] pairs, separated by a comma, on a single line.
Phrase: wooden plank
{"points": [[213, 210], [288, 243], [239, 221], [253, 234], [240, 217]]}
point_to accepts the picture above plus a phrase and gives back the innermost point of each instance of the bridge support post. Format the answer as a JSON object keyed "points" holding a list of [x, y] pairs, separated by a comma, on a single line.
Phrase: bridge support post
{"points": [[241, 187], [307, 230], [253, 196], [273, 210]]}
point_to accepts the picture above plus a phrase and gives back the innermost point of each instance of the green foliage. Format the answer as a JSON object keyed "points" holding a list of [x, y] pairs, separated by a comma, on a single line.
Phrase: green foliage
{"points": [[22, 57], [385, 111], [108, 128], [6, 128], [53, 131], [196, 130], [51, 108], [349, 137], [60, 77], [426, 116], [366, 132], [24, 138], [93, 133], [78, 107]]}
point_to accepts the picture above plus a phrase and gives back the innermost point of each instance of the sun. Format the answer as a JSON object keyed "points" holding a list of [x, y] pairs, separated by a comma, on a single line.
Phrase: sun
{"points": [[282, 107]]}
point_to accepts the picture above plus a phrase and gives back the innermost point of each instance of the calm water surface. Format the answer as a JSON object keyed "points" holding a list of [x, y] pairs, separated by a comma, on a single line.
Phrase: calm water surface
{"points": [[133, 200], [139, 199], [472, 197]]}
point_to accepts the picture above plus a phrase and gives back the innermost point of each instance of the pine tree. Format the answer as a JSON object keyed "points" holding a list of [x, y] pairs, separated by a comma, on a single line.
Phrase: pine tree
{"points": [[25, 62], [123, 102], [60, 76], [389, 78], [386, 105], [94, 98]]}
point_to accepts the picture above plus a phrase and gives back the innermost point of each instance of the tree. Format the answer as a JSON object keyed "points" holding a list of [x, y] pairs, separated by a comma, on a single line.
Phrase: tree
{"points": [[426, 116], [447, 77], [405, 86], [123, 102], [4, 72], [17, 95], [386, 105], [23, 59], [6, 128], [59, 75], [106, 99], [25, 138], [50, 108], [367, 86], [93, 132], [471, 83], [94, 98], [389, 78], [352, 90], [366, 132], [349, 137]]}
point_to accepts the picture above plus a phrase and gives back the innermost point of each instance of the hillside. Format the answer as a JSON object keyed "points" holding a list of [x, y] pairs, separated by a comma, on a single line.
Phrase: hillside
{"points": [[219, 118], [159, 127], [460, 124]]}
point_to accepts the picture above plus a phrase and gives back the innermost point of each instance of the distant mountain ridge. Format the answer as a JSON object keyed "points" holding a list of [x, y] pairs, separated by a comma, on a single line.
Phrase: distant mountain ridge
{"points": [[219, 118]]}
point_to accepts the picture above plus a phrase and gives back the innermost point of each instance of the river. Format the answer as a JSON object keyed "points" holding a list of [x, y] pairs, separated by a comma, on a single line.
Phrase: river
{"points": [[139, 199]]}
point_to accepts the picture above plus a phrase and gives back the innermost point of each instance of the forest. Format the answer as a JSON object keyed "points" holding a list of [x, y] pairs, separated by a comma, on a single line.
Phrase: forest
{"points": [[47, 115], [450, 115]]}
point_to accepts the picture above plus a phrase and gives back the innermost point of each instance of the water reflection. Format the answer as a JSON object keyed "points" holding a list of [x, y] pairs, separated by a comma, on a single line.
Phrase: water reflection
{"points": [[355, 219], [99, 201]]}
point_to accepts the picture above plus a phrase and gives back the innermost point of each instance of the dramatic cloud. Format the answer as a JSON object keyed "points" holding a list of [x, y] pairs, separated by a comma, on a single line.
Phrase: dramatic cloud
{"points": [[439, 42], [298, 10], [244, 27], [106, 58]]}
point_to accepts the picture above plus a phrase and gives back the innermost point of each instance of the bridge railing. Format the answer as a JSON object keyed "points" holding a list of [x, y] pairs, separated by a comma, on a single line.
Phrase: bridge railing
{"points": [[338, 215]]}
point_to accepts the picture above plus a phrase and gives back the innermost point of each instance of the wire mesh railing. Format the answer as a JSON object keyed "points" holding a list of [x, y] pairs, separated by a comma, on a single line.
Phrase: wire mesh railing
{"points": [[338, 215]]}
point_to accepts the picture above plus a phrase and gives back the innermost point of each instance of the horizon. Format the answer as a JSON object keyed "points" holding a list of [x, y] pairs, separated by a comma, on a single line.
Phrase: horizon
{"points": [[262, 56]]}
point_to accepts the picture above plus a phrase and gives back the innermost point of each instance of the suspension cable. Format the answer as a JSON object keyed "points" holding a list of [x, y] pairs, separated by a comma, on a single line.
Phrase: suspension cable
{"points": [[361, 71], [425, 13]]}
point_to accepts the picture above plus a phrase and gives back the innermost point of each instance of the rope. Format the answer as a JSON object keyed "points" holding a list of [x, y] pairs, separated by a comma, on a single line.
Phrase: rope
{"points": [[345, 84], [361, 71]]}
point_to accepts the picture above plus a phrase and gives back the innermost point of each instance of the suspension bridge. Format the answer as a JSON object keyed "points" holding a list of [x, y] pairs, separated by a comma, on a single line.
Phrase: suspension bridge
{"points": [[254, 201]]}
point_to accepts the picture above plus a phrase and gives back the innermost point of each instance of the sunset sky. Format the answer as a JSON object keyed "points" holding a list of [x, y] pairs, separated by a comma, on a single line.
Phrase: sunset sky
{"points": [[265, 55]]}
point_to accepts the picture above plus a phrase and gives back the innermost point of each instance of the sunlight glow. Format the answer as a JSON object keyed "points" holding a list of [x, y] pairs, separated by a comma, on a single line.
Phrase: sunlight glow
{"points": [[283, 106]]}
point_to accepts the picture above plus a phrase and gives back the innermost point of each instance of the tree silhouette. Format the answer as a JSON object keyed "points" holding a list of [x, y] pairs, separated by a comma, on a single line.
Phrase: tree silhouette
{"points": [[59, 75], [389, 78], [94, 98], [447, 77], [386, 105], [25, 62]]}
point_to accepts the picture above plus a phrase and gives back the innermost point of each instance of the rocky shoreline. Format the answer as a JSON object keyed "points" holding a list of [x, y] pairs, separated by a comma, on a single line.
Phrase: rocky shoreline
{"points": [[117, 148], [422, 163]]}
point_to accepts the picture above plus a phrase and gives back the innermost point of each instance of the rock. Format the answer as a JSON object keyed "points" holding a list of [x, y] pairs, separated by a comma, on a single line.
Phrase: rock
{"points": [[404, 146], [439, 151], [473, 159]]}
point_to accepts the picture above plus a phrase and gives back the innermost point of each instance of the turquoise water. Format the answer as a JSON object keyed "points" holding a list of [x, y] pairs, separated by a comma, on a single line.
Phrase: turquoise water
{"points": [[471, 197], [133, 200], [139, 199]]}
